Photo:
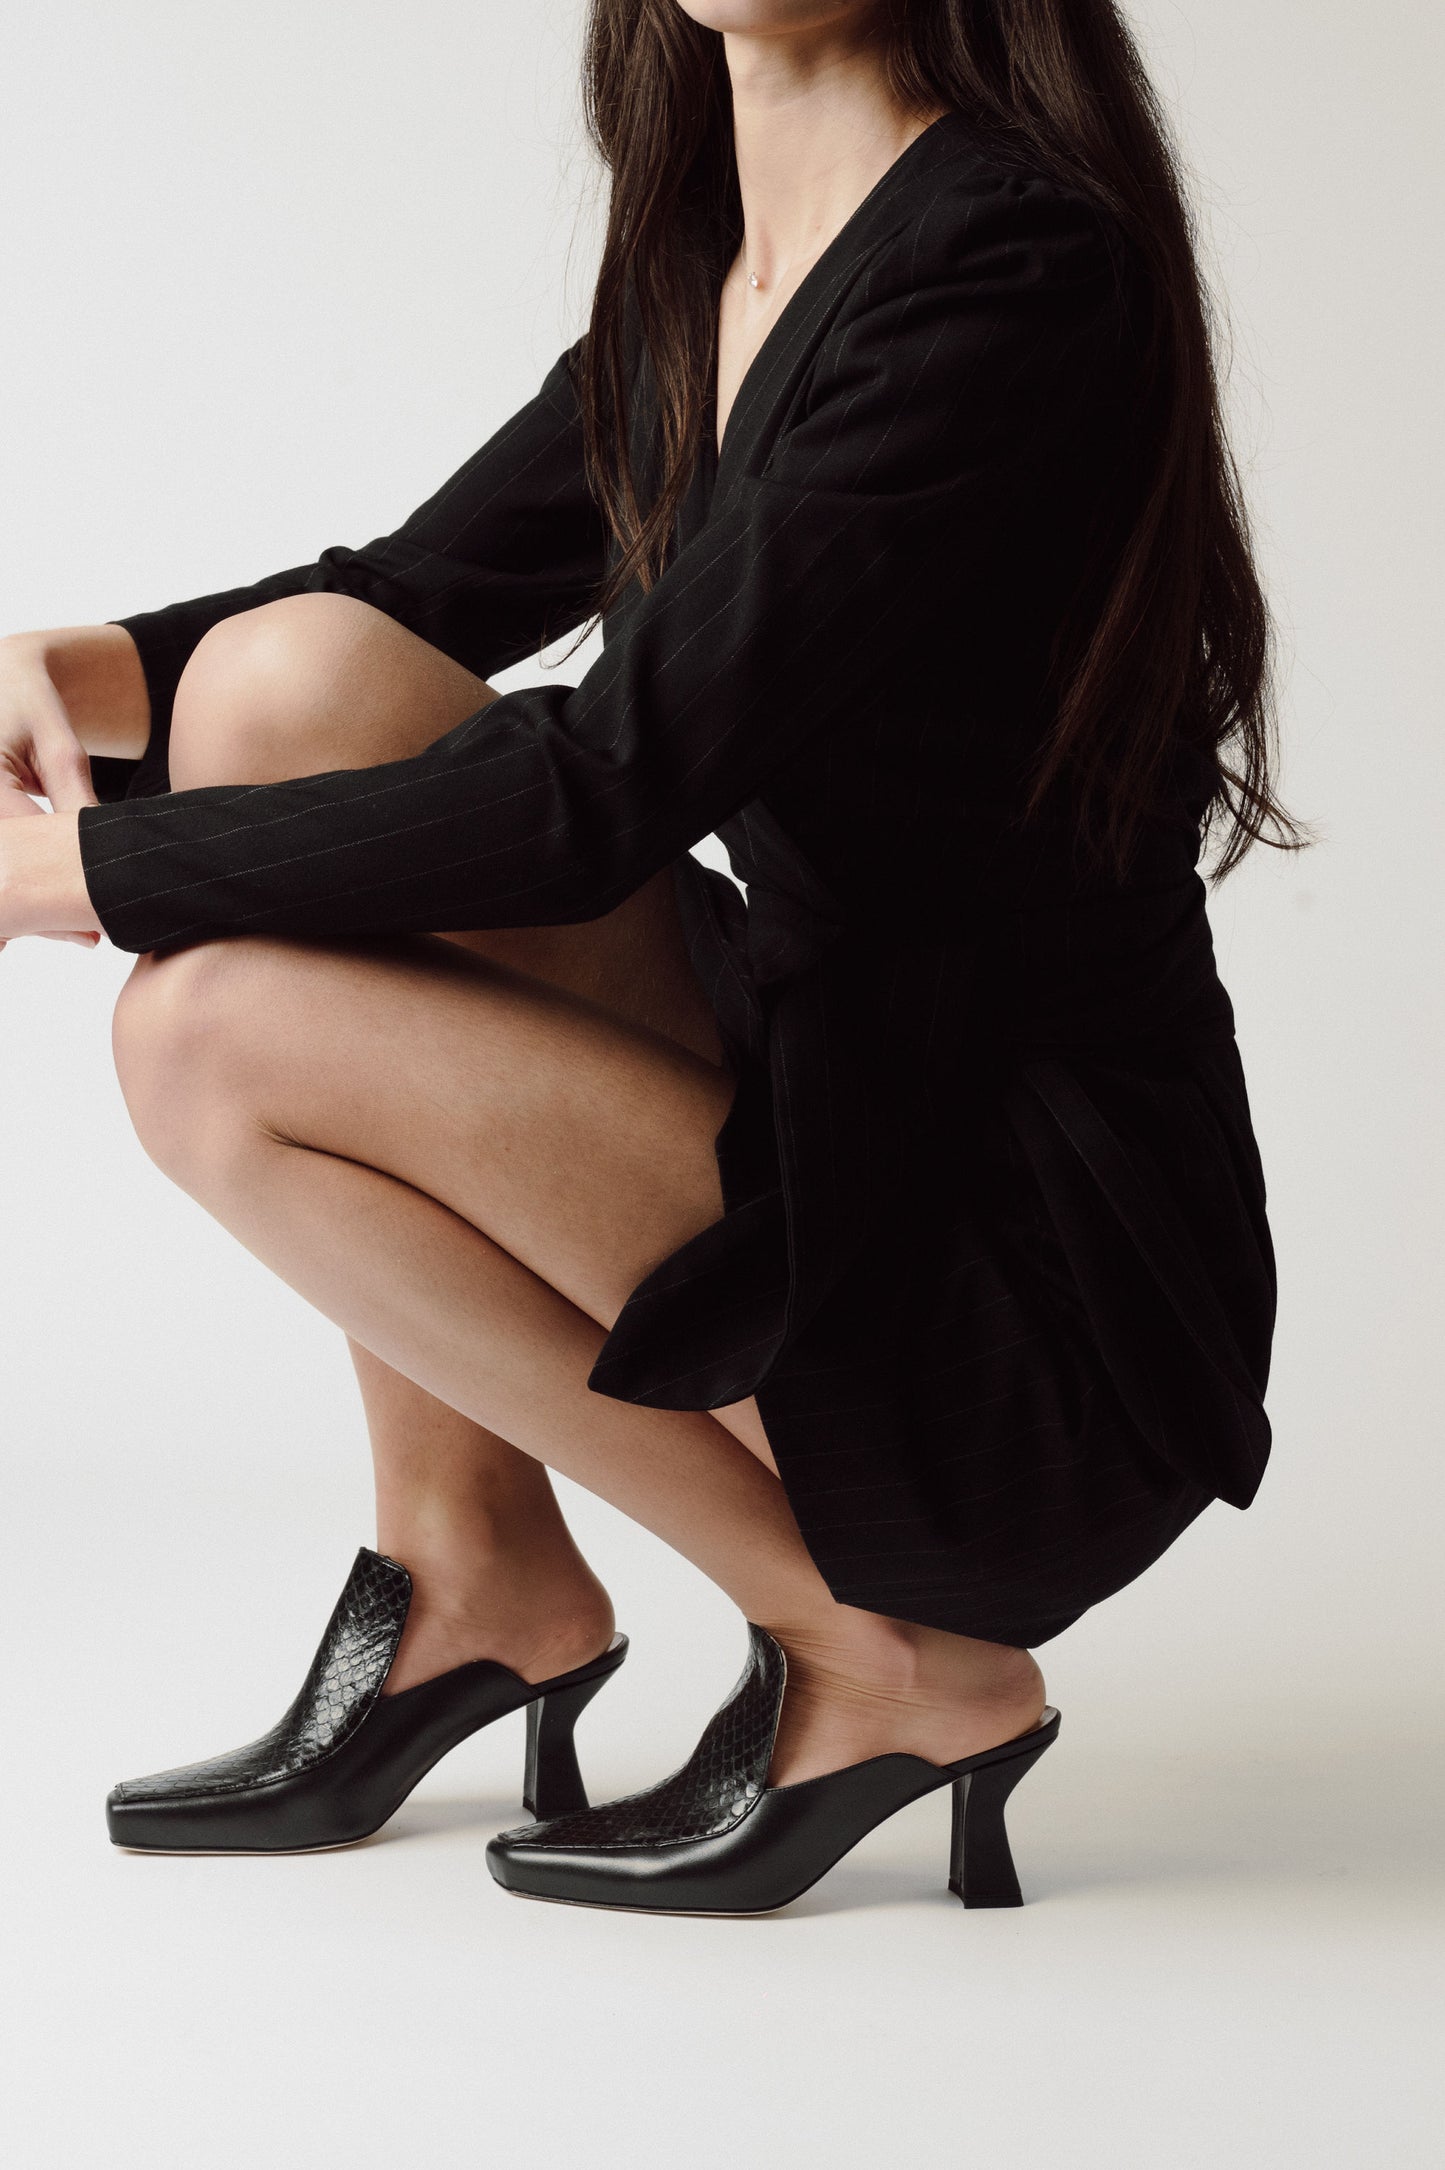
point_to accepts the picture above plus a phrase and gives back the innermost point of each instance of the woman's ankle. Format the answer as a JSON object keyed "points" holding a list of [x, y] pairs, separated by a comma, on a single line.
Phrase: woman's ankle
{"points": [[538, 1612], [861, 1685]]}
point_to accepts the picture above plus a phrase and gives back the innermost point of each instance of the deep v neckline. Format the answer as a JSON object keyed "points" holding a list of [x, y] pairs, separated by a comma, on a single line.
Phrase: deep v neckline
{"points": [[812, 280]]}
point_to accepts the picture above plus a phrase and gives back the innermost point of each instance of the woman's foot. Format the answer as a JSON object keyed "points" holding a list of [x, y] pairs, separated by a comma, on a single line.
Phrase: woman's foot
{"points": [[345, 1755], [869, 1686], [716, 1838], [538, 1614]]}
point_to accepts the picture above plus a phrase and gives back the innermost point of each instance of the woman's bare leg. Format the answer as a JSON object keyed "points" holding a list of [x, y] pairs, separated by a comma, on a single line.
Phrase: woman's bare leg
{"points": [[469, 1171], [320, 682]]}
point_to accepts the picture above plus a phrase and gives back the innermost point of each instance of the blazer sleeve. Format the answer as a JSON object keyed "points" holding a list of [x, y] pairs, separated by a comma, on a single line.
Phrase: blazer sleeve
{"points": [[939, 418], [505, 557]]}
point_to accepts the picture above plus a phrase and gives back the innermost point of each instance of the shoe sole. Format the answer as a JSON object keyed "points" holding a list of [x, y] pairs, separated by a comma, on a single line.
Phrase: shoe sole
{"points": [[670, 1913], [244, 1853]]}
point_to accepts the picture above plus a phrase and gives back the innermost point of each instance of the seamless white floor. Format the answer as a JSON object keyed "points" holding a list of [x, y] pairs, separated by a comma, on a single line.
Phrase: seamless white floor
{"points": [[1232, 1951], [1231, 1954]]}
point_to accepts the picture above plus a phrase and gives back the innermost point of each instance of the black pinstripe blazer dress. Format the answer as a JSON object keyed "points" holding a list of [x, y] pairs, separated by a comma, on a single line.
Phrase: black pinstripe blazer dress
{"points": [[994, 1258]]}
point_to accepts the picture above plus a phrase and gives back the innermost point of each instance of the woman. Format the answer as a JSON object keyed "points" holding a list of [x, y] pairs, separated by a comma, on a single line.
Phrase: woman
{"points": [[894, 1246]]}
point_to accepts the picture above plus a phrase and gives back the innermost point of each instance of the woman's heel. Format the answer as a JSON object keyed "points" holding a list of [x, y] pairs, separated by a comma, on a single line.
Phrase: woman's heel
{"points": [[552, 1779], [981, 1868]]}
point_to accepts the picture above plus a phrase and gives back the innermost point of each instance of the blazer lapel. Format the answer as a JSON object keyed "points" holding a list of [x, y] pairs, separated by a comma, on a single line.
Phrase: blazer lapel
{"points": [[781, 364]]}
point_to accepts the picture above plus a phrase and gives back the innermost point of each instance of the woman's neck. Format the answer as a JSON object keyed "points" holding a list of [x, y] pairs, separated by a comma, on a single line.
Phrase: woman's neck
{"points": [[815, 126]]}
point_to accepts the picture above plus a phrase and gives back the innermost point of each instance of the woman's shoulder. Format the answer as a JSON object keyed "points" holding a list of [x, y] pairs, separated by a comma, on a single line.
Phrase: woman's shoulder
{"points": [[961, 162], [978, 202], [985, 318]]}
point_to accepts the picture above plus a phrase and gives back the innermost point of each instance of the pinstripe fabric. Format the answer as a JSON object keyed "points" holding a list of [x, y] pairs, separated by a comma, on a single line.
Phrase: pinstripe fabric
{"points": [[995, 1256]]}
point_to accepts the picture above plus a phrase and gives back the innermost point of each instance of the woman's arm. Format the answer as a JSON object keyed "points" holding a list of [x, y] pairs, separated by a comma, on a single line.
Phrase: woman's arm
{"points": [[960, 411], [503, 558]]}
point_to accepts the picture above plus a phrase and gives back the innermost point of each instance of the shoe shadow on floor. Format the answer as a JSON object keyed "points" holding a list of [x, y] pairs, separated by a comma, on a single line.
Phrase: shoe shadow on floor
{"points": [[1303, 1812], [1301, 1809], [438, 1815]]}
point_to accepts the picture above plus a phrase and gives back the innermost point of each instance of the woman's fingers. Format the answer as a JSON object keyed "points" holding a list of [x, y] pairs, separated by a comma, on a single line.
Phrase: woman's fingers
{"points": [[65, 775], [16, 791], [86, 941], [61, 763], [42, 757]]}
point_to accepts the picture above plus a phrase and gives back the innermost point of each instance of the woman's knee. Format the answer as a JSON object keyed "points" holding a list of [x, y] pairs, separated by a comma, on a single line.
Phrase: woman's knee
{"points": [[309, 683], [256, 700], [182, 1027]]}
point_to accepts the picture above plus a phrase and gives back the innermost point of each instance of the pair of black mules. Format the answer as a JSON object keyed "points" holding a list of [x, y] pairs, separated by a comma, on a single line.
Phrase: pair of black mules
{"points": [[715, 1838]]}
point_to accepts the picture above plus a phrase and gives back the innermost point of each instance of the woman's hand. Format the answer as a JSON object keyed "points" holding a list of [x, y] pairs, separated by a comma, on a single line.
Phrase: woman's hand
{"points": [[42, 881], [40, 754], [53, 687]]}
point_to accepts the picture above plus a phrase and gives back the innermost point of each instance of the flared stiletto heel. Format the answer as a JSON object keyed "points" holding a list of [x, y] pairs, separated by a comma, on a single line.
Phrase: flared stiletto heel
{"points": [[345, 1756], [981, 1866], [716, 1838], [551, 1779]]}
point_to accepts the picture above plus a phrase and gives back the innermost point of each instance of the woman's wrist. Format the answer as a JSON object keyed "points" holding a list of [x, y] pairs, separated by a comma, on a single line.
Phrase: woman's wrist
{"points": [[42, 879]]}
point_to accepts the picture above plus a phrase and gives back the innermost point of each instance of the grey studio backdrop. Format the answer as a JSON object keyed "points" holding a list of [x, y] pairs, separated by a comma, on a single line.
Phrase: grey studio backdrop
{"points": [[269, 273]]}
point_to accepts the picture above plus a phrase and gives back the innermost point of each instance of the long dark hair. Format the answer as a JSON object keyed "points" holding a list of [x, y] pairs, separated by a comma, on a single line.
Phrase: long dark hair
{"points": [[1176, 637]]}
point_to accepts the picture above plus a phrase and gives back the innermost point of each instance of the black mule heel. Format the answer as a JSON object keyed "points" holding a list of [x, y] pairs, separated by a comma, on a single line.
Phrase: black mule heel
{"points": [[344, 1757], [716, 1838], [981, 1865], [551, 1779]]}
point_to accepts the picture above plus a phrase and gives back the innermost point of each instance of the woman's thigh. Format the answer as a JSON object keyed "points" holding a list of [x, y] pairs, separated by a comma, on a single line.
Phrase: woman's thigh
{"points": [[581, 1144], [317, 682]]}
